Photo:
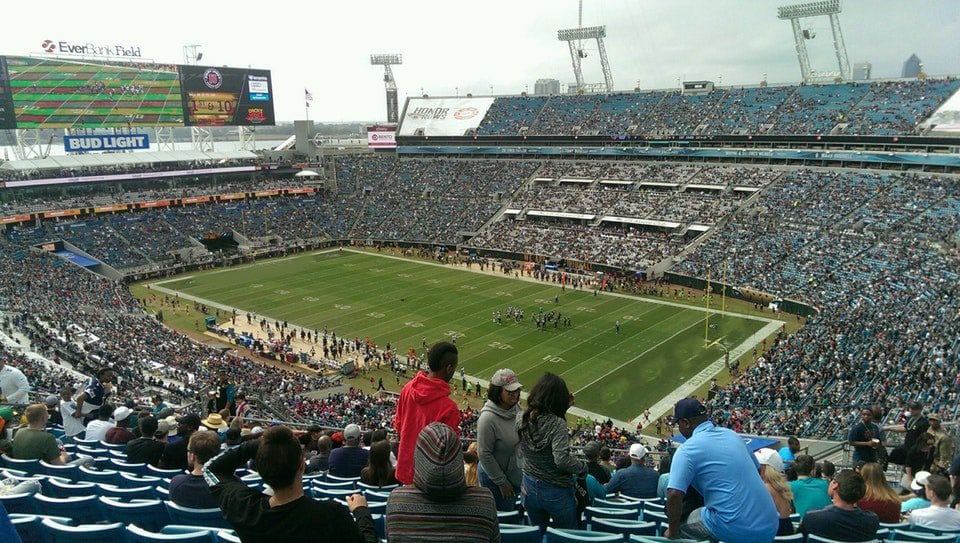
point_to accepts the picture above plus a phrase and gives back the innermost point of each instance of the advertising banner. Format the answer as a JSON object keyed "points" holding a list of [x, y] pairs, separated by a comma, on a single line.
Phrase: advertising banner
{"points": [[443, 116], [105, 142], [381, 137]]}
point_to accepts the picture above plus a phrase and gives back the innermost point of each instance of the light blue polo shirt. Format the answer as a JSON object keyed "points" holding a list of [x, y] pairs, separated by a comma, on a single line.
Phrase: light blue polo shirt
{"points": [[716, 463]]}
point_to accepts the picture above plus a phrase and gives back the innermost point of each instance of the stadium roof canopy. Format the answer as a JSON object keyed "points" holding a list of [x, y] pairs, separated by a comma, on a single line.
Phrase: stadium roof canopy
{"points": [[120, 159]]}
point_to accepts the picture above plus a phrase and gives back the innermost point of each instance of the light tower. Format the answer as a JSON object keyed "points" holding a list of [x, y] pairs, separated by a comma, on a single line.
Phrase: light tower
{"points": [[830, 9], [387, 60], [577, 53]]}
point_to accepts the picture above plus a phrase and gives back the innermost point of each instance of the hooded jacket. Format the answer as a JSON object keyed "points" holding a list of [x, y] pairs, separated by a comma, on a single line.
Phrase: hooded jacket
{"points": [[545, 448], [497, 443], [423, 400]]}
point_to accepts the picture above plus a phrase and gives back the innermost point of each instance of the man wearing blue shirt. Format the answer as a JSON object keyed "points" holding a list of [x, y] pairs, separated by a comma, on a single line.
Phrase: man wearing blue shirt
{"points": [[716, 463], [638, 480]]}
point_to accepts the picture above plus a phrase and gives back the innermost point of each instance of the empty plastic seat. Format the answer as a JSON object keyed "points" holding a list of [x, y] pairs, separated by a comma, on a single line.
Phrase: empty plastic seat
{"points": [[197, 517], [623, 527], [135, 534], [817, 539], [30, 530], [19, 503], [904, 535], [84, 533], [149, 514], [61, 489], [602, 512], [26, 466], [138, 468], [132, 493], [227, 537], [557, 535], [106, 476], [111, 446], [82, 509], [132, 481], [67, 472], [792, 538], [163, 473], [366, 487], [509, 517], [515, 533]]}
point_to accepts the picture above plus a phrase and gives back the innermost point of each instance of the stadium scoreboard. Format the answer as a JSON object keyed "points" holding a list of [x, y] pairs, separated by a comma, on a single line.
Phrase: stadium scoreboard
{"points": [[64, 93]]}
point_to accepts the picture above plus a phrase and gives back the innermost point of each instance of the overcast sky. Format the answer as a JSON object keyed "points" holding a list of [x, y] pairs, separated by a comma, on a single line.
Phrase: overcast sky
{"points": [[451, 46]]}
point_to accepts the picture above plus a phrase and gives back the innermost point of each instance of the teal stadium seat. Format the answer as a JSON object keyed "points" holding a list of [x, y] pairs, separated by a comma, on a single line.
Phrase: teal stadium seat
{"points": [[198, 517], [136, 534], [557, 535], [83, 533], [82, 509], [30, 530], [148, 514], [904, 535], [817, 539], [623, 527], [515, 533]]}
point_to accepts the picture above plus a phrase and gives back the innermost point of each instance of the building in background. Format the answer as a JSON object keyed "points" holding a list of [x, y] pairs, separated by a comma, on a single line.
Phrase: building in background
{"points": [[861, 71], [911, 68], [547, 86]]}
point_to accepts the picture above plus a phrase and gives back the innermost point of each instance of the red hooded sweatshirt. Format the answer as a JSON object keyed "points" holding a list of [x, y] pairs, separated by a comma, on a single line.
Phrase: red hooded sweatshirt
{"points": [[423, 400]]}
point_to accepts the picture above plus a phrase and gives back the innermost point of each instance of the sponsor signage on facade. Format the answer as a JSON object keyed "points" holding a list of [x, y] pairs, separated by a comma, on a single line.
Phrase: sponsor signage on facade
{"points": [[90, 49], [105, 142], [443, 116]]}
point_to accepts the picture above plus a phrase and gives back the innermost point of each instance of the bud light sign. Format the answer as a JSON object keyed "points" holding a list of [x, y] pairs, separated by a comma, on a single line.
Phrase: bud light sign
{"points": [[111, 142]]}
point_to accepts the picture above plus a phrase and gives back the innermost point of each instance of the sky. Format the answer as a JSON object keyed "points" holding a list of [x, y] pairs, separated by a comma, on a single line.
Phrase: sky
{"points": [[452, 47]]}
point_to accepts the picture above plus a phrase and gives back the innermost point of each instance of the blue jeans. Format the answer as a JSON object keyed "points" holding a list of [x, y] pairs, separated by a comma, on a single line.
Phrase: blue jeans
{"points": [[503, 504], [544, 501]]}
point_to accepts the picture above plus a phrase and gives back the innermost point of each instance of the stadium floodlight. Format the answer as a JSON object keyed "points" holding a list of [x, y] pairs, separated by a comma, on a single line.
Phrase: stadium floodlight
{"points": [[812, 9], [571, 35], [824, 8], [387, 60], [576, 34]]}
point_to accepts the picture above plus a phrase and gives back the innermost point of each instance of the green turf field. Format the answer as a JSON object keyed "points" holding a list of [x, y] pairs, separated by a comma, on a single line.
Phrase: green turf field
{"points": [[403, 301]]}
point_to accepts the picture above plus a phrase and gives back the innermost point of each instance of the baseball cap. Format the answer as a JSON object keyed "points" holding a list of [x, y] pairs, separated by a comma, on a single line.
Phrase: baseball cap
{"points": [[638, 451], [163, 428], [687, 408], [915, 405], [51, 401], [507, 379], [920, 480], [121, 413], [934, 416], [352, 431], [769, 457]]}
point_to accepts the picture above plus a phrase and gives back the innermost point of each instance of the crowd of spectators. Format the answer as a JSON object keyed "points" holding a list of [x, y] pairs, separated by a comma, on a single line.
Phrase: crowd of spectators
{"points": [[854, 245], [878, 108], [11, 174]]}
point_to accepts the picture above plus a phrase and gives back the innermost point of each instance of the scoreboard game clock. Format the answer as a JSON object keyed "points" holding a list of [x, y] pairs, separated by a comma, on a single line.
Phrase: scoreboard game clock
{"points": [[211, 108]]}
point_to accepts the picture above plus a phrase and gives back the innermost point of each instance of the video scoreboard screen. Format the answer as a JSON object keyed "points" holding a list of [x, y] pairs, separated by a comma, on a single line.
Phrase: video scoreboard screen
{"points": [[7, 119], [62, 93], [226, 96]]}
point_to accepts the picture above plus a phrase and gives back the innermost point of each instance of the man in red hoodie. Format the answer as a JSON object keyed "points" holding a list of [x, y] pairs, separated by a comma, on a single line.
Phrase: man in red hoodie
{"points": [[425, 399]]}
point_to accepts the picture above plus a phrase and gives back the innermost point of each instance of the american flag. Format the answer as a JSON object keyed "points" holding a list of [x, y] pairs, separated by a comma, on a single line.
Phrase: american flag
{"points": [[307, 96]]}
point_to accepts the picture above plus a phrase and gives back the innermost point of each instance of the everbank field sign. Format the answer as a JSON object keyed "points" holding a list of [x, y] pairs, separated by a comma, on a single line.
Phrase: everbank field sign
{"points": [[63, 47]]}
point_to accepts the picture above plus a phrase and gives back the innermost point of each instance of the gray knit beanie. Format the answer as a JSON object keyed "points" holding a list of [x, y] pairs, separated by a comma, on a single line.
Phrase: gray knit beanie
{"points": [[438, 463]]}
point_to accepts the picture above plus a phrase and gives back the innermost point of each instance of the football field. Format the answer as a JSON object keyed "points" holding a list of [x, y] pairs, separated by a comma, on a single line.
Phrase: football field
{"points": [[660, 345]]}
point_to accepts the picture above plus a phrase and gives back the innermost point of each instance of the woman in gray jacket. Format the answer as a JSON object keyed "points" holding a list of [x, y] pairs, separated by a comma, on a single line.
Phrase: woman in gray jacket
{"points": [[497, 439], [549, 466]]}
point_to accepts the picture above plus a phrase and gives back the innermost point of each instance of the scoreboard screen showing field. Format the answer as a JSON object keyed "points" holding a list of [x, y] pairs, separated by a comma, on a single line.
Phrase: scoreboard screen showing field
{"points": [[215, 96], [7, 119], [66, 93]]}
